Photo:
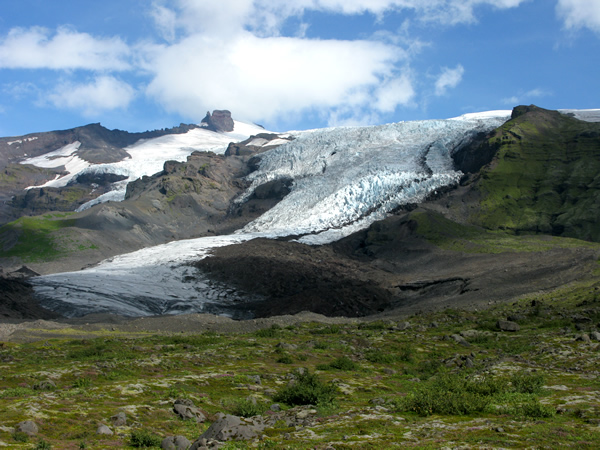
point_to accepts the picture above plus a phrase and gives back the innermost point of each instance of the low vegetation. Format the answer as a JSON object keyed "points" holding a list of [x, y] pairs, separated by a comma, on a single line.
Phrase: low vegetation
{"points": [[450, 378]]}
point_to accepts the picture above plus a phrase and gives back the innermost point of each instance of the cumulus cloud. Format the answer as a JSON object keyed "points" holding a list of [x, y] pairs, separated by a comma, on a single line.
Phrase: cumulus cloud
{"points": [[101, 94], [233, 54], [580, 14], [267, 77], [449, 78], [38, 48]]}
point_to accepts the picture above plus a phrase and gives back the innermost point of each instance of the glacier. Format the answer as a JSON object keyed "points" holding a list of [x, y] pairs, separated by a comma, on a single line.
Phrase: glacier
{"points": [[344, 179]]}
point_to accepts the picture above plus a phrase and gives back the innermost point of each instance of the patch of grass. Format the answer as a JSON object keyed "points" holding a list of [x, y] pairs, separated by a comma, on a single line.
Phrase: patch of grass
{"points": [[330, 329], [16, 392], [248, 407], [380, 357], [35, 238], [453, 236], [42, 445]]}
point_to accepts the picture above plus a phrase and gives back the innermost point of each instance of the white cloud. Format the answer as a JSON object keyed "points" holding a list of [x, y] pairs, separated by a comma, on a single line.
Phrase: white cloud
{"points": [[394, 92], [525, 97], [449, 78], [230, 54], [165, 20], [102, 94], [262, 78], [36, 48], [580, 14]]}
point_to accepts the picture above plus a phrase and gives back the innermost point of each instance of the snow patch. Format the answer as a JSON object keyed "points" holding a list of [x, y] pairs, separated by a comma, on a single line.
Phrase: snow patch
{"points": [[65, 156]]}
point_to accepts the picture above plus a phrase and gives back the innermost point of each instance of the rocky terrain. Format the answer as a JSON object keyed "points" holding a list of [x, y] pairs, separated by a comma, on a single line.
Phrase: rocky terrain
{"points": [[98, 145], [514, 375], [448, 251], [471, 320]]}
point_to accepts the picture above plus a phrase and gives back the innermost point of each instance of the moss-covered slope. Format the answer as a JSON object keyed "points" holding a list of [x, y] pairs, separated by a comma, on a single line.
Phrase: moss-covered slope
{"points": [[545, 177]]}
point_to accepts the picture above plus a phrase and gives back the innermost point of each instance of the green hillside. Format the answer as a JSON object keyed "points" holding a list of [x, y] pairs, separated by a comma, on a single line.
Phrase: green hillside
{"points": [[544, 178]]}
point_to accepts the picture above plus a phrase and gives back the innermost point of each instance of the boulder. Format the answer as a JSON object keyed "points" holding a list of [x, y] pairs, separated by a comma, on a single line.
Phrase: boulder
{"points": [[175, 443], [104, 430], [28, 427], [583, 338], [228, 427], [460, 340], [595, 336], [186, 410], [507, 325], [119, 419]]}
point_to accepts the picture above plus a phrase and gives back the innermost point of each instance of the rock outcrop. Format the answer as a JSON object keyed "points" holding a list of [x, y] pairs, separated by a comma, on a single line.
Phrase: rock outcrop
{"points": [[219, 120]]}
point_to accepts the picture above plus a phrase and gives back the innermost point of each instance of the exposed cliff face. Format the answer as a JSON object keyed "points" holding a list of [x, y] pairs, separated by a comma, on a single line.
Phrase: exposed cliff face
{"points": [[219, 120]]}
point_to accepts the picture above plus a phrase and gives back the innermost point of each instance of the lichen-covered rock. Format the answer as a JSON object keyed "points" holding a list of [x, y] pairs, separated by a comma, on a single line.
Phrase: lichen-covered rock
{"points": [[507, 325], [175, 443], [228, 427], [28, 427], [186, 409], [104, 430], [119, 419]]}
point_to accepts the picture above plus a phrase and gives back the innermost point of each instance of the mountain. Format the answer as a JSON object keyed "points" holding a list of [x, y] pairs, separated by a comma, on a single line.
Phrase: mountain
{"points": [[407, 216], [74, 169]]}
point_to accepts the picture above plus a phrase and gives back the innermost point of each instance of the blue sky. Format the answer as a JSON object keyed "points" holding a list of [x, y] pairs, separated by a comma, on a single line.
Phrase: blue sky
{"points": [[294, 64]]}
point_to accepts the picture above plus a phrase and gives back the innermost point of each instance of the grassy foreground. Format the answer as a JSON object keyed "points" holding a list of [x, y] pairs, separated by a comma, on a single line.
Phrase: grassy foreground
{"points": [[450, 379]]}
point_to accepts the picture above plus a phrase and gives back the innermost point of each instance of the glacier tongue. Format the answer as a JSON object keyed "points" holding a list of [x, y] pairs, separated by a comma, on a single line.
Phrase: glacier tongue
{"points": [[347, 175], [343, 180]]}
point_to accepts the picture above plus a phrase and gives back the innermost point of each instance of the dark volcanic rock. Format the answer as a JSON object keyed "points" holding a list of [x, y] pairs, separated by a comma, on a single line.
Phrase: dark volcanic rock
{"points": [[17, 301], [249, 147], [220, 120], [507, 325], [293, 277]]}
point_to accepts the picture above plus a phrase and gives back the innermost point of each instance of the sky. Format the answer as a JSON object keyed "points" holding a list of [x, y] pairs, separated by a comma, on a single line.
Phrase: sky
{"points": [[140, 65]]}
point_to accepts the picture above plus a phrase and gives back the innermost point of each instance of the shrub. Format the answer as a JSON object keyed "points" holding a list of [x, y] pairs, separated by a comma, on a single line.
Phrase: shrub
{"points": [[267, 332], [19, 436], [285, 359], [343, 363], [82, 382], [321, 345], [406, 353], [447, 394], [143, 438], [534, 409], [527, 383], [307, 389]]}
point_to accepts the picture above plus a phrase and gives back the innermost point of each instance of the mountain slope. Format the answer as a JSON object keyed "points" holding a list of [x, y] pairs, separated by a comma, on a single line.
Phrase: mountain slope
{"points": [[322, 186], [544, 177]]}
